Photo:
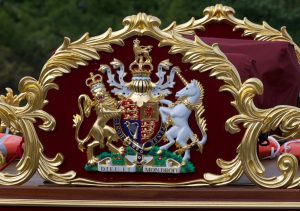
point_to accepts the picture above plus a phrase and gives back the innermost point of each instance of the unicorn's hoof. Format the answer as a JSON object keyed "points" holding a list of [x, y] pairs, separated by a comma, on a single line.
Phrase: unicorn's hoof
{"points": [[159, 152], [183, 163]]}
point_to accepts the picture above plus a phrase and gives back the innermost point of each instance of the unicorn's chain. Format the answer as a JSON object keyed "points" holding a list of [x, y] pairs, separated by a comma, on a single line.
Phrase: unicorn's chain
{"points": [[189, 146], [185, 102]]}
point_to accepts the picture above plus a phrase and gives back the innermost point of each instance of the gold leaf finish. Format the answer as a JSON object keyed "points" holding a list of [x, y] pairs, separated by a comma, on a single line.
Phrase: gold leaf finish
{"points": [[187, 28], [220, 13], [254, 120], [22, 119], [202, 57]]}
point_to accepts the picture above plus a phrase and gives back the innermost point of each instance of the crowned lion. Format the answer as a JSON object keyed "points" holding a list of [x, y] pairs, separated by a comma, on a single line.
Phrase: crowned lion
{"points": [[106, 108]]}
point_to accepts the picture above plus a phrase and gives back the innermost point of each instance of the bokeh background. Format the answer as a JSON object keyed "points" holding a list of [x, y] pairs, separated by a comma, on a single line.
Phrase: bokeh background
{"points": [[30, 30]]}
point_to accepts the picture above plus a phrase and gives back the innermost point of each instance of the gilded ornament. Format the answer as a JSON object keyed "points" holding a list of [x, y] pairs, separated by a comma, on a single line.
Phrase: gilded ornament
{"points": [[219, 13], [71, 55], [106, 109], [136, 118]]}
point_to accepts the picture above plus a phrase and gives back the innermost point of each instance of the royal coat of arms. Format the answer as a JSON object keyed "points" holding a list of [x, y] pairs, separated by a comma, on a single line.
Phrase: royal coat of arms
{"points": [[137, 128]]}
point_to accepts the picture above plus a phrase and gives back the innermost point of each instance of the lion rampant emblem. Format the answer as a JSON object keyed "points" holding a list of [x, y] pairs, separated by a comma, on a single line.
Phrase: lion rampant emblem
{"points": [[141, 118], [106, 109]]}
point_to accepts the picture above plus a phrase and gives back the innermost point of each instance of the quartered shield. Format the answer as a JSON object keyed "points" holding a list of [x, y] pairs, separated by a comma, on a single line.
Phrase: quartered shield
{"points": [[141, 124]]}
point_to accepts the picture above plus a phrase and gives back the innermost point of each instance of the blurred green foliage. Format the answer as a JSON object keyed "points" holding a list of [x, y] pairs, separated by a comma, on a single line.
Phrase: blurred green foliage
{"points": [[31, 30]]}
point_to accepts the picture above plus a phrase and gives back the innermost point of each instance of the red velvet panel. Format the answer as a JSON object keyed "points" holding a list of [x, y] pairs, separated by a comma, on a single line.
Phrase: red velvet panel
{"points": [[246, 67], [63, 105], [276, 64], [221, 30]]}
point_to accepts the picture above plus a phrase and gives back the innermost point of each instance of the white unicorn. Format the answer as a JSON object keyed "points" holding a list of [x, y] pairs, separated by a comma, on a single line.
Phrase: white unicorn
{"points": [[189, 99]]}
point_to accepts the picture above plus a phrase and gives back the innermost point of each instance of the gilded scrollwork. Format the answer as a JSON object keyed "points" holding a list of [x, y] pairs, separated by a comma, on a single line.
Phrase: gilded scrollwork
{"points": [[253, 119], [201, 56], [22, 119], [219, 13], [71, 55]]}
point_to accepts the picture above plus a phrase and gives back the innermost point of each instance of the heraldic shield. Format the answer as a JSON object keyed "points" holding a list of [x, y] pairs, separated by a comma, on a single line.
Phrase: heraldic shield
{"points": [[142, 118], [144, 106]]}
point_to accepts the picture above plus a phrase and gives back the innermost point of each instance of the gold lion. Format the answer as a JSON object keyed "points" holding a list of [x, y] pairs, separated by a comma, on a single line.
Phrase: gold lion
{"points": [[141, 52], [106, 109]]}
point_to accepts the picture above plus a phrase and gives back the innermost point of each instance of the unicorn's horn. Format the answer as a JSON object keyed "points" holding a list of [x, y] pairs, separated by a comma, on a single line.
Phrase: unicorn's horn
{"points": [[178, 73]]}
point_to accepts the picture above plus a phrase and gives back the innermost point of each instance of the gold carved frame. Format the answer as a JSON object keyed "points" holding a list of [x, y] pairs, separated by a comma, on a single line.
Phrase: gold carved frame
{"points": [[220, 13], [71, 55]]}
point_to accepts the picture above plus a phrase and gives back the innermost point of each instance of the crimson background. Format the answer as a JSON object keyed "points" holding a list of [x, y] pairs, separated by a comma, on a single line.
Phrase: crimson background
{"points": [[63, 105]]}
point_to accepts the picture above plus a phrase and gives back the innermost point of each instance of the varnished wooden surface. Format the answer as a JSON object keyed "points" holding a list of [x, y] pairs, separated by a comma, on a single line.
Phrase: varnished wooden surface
{"points": [[248, 193], [48, 196]]}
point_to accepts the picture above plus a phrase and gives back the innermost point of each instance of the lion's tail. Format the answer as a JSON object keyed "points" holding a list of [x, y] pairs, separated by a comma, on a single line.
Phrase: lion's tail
{"points": [[78, 118]]}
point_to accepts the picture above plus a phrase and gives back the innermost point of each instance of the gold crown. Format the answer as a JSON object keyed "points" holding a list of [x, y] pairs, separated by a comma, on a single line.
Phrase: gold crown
{"points": [[94, 81], [142, 69], [141, 66]]}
